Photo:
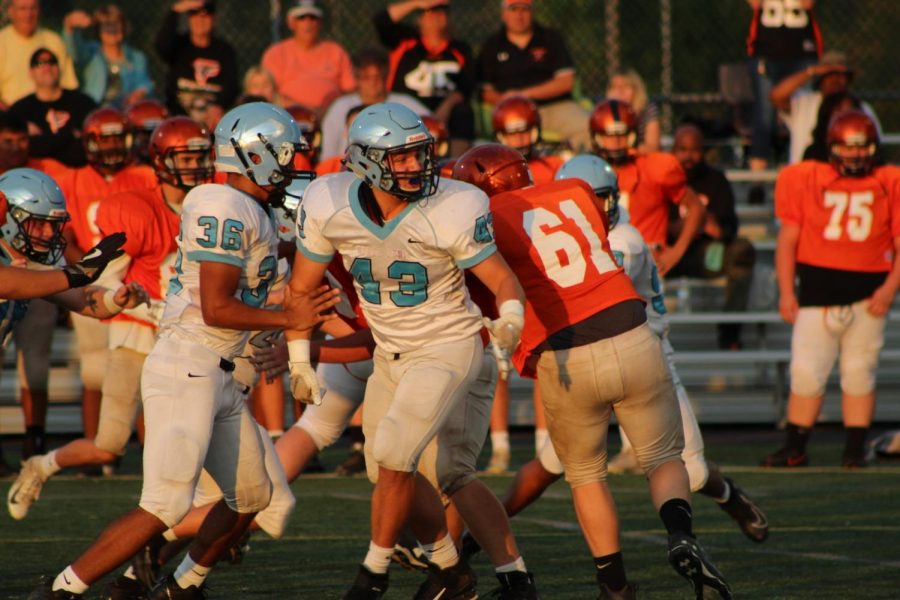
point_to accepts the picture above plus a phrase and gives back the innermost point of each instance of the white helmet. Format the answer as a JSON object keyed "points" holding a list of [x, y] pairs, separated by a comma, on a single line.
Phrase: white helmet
{"points": [[36, 215]]}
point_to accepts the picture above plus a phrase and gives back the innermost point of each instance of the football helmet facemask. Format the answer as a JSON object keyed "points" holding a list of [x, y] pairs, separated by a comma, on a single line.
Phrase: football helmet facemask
{"points": [[852, 143], [613, 119], [108, 140], [517, 115], [180, 152]]}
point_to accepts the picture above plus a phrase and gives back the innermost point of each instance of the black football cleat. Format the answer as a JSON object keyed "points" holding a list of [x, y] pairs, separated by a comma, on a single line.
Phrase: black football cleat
{"points": [[744, 510], [854, 460], [168, 589], [629, 592], [453, 583], [515, 585], [786, 458], [146, 562], [44, 591], [367, 585], [688, 559], [124, 588]]}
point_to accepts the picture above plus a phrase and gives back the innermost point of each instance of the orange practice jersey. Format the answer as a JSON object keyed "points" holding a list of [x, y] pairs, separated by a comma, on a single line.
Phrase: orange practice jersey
{"points": [[329, 165], [649, 184], [846, 223], [555, 239], [544, 168], [84, 189], [151, 228]]}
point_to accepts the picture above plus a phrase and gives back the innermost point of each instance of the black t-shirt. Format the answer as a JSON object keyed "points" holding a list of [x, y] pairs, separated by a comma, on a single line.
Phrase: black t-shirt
{"points": [[429, 74], [710, 183], [783, 31], [60, 123], [505, 66], [820, 286], [196, 75]]}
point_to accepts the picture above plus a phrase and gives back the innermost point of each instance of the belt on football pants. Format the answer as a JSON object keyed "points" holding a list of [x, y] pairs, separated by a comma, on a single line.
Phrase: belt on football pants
{"points": [[226, 365]]}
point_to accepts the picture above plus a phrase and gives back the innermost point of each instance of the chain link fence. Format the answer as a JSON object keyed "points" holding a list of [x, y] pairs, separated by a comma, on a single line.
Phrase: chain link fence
{"points": [[676, 45]]}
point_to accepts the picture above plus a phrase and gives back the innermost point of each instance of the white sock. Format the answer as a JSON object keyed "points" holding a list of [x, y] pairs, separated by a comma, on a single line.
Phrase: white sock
{"points": [[541, 437], [129, 573], [49, 465], [516, 565], [169, 535], [69, 581], [442, 552], [499, 440], [190, 573], [378, 559], [276, 433]]}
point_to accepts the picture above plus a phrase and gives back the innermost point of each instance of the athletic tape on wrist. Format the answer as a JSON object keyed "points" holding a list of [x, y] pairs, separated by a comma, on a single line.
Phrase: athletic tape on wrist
{"points": [[298, 351], [110, 303]]}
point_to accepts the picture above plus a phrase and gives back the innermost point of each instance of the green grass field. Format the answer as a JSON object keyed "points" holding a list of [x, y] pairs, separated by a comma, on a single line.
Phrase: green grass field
{"points": [[834, 533]]}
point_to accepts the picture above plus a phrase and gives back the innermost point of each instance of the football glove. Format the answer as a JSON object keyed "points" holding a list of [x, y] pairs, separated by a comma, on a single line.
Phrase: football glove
{"points": [[304, 383], [91, 265], [505, 333]]}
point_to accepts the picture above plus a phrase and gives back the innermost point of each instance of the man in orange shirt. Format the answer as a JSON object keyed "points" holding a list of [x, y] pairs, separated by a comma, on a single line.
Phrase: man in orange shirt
{"points": [[649, 183], [840, 241], [307, 70], [585, 328], [107, 140]]}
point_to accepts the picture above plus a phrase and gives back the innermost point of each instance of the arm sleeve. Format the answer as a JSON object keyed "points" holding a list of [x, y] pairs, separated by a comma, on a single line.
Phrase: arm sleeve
{"points": [[470, 232], [789, 195], [166, 42], [390, 34]]}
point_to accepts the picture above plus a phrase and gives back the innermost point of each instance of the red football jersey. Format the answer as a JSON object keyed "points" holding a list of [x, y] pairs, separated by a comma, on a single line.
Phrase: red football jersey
{"points": [[649, 185], [84, 189], [555, 239], [544, 168], [846, 223], [329, 165]]}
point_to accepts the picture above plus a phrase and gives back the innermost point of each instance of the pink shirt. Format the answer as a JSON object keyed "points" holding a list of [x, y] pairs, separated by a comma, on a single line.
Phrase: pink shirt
{"points": [[312, 77]]}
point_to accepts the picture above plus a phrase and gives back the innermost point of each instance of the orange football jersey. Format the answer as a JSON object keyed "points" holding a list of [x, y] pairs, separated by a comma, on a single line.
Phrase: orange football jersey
{"points": [[649, 185], [84, 189], [555, 239], [544, 168], [846, 223], [330, 165]]}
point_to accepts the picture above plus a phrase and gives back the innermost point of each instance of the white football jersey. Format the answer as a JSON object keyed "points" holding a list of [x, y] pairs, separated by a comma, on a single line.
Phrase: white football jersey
{"points": [[632, 253], [219, 224], [408, 272]]}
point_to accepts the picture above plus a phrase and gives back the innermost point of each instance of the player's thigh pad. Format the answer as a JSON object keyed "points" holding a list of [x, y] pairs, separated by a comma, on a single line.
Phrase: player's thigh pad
{"points": [[34, 336], [449, 460], [861, 344], [180, 385], [121, 399], [427, 384], [814, 348], [274, 518], [345, 388], [93, 344], [693, 454]]}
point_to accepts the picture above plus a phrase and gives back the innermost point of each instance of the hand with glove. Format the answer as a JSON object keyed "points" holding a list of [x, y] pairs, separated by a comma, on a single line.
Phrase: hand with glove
{"points": [[91, 265], [505, 332], [304, 383]]}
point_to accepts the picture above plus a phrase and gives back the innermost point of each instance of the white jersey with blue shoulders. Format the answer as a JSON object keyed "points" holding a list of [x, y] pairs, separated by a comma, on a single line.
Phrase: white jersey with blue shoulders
{"points": [[632, 253], [407, 272], [219, 224]]}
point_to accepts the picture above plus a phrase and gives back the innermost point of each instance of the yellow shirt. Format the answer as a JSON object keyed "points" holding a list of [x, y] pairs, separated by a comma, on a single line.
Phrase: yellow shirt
{"points": [[15, 53]]}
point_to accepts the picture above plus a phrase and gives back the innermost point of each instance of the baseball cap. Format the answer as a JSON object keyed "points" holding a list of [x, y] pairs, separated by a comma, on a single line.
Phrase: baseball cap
{"points": [[304, 8], [511, 3], [208, 6], [42, 55], [838, 60]]}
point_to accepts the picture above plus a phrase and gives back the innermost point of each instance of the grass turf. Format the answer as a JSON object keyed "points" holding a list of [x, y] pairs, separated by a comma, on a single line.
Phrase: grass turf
{"points": [[833, 533]]}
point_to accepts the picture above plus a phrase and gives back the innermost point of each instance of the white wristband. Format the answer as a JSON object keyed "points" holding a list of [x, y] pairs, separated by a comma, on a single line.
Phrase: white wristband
{"points": [[512, 307], [110, 303], [298, 351]]}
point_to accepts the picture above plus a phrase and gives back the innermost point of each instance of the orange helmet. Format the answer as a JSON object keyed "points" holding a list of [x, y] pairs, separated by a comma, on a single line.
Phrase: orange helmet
{"points": [[439, 133], [310, 128], [517, 115], [108, 140], [613, 118], [494, 168], [852, 142], [173, 143], [144, 117]]}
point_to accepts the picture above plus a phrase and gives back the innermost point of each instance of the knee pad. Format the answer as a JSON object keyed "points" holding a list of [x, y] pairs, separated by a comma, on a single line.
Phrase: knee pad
{"points": [[585, 473], [251, 496], [326, 422], [806, 378], [169, 505], [207, 490], [274, 518], [858, 374]]}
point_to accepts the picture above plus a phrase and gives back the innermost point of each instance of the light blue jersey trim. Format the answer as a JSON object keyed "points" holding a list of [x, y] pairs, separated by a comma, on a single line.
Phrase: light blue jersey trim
{"points": [[380, 231], [313, 256], [203, 256], [474, 260]]}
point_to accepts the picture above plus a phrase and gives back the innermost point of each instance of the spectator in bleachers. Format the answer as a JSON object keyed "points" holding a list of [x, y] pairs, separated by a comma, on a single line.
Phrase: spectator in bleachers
{"points": [[527, 59], [431, 65], [799, 107], [18, 41], [259, 84], [202, 77], [628, 86], [54, 115], [716, 250], [784, 37], [308, 70], [111, 71], [832, 104], [371, 67]]}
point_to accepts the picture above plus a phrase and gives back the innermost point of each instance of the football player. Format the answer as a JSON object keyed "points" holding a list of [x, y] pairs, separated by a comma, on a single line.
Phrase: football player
{"points": [[405, 240], [517, 124], [180, 152], [839, 239], [649, 183], [144, 117], [194, 411], [585, 327]]}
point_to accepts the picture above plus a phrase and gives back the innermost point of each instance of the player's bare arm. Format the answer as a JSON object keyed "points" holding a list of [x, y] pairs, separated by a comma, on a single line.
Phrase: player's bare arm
{"points": [[21, 284], [102, 303], [881, 299], [694, 216], [785, 269]]}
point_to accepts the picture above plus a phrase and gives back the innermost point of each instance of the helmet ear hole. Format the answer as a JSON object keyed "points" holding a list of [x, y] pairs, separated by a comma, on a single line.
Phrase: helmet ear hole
{"points": [[255, 158]]}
